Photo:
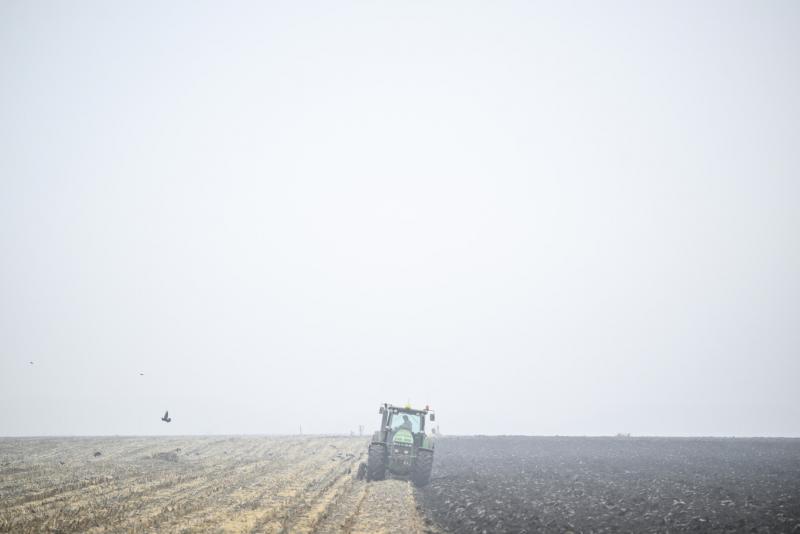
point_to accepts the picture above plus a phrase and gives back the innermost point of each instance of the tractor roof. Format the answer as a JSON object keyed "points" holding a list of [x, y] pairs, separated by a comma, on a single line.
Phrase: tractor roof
{"points": [[407, 409]]}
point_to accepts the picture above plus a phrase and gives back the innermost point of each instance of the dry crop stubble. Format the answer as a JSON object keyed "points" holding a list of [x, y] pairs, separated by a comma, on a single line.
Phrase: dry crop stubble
{"points": [[196, 484]]}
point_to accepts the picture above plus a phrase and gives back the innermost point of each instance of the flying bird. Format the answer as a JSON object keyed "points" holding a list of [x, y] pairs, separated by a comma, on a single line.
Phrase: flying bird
{"points": [[141, 374], [166, 417], [30, 363]]}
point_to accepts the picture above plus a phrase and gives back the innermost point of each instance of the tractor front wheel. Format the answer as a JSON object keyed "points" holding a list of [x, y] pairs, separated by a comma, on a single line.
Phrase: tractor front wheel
{"points": [[376, 462], [422, 468]]}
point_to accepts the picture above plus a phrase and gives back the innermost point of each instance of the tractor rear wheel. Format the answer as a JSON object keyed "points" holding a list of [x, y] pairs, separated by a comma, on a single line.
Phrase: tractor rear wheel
{"points": [[376, 462], [422, 468]]}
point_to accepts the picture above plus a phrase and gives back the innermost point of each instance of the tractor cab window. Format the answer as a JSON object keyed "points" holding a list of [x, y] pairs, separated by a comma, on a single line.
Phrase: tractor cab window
{"points": [[405, 420]]}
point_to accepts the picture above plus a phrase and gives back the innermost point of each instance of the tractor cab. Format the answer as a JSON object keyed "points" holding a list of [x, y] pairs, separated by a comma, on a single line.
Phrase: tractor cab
{"points": [[409, 420], [403, 422]]}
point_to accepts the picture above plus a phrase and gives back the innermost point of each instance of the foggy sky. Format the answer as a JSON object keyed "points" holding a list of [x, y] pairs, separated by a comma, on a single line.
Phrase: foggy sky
{"points": [[538, 218]]}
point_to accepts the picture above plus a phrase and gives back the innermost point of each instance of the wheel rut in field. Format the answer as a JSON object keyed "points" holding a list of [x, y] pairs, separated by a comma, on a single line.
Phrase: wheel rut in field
{"points": [[383, 507]]}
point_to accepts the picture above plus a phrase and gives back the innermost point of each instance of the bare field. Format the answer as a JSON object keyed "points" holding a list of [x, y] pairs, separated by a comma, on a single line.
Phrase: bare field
{"points": [[196, 484], [521, 485]]}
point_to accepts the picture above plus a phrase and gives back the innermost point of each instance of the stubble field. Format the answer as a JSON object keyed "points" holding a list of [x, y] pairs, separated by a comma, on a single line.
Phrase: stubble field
{"points": [[214, 484]]}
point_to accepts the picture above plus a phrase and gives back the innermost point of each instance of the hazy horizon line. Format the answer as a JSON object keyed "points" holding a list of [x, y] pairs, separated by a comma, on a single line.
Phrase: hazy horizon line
{"points": [[442, 436]]}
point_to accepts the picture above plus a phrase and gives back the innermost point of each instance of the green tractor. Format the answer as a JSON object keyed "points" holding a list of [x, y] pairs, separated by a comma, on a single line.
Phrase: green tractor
{"points": [[401, 446]]}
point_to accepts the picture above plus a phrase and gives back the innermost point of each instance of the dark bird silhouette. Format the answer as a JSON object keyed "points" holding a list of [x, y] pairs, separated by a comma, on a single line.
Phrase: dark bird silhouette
{"points": [[97, 453], [30, 363], [166, 417], [141, 374]]}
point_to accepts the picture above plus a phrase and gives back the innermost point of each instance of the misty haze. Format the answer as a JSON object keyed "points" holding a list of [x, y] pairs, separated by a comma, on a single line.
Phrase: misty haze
{"points": [[421, 267]]}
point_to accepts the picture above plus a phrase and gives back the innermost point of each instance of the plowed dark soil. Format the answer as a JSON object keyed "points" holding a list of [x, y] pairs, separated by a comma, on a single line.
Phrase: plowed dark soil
{"points": [[538, 484]]}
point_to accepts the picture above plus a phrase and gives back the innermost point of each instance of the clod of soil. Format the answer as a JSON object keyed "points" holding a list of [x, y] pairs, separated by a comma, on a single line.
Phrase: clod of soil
{"points": [[170, 456]]}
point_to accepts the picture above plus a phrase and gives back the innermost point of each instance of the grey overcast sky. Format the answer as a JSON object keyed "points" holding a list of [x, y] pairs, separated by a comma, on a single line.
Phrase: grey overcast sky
{"points": [[537, 217]]}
